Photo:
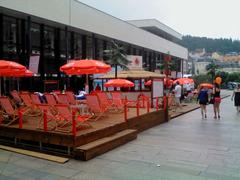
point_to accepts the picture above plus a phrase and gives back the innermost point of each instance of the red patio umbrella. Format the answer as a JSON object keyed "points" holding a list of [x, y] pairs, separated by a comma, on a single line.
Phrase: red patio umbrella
{"points": [[118, 83], [78, 67], [149, 82], [206, 85], [10, 68], [184, 81]]}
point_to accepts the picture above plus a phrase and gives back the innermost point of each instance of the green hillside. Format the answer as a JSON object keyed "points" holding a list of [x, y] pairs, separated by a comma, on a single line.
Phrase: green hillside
{"points": [[220, 45]]}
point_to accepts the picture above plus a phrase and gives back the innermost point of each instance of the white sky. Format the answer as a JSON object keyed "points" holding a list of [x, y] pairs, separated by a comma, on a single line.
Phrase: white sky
{"points": [[208, 18]]}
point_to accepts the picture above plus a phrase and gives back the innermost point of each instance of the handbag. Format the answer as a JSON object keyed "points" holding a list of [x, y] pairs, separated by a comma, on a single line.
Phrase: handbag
{"points": [[211, 100]]}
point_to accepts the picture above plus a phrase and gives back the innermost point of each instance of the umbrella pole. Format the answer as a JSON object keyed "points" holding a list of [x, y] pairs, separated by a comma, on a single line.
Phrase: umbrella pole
{"points": [[86, 85], [18, 84], [0, 86]]}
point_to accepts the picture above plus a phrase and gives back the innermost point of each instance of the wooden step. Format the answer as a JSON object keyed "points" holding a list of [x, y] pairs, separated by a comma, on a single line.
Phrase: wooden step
{"points": [[100, 146]]}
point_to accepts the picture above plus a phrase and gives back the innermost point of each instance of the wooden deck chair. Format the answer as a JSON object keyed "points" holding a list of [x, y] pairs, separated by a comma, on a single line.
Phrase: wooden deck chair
{"points": [[117, 100], [71, 97], [105, 101], [30, 106], [25, 96], [62, 99], [52, 117], [35, 99], [95, 107], [66, 112], [16, 97], [8, 112], [50, 99]]}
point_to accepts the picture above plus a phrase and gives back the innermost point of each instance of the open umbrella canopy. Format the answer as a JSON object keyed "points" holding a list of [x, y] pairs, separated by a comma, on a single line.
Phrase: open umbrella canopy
{"points": [[26, 73], [206, 85], [184, 81], [149, 82], [78, 67], [9, 68], [119, 83]]}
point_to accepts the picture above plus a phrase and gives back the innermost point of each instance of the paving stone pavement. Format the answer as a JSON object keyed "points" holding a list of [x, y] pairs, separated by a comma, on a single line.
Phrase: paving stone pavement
{"points": [[186, 148]]}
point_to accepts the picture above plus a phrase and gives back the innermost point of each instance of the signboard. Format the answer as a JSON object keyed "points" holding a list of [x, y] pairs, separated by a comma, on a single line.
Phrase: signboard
{"points": [[34, 63], [173, 74], [157, 88], [136, 62]]}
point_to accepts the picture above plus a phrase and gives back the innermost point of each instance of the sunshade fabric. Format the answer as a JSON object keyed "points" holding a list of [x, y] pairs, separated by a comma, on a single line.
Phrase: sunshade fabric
{"points": [[78, 67]]}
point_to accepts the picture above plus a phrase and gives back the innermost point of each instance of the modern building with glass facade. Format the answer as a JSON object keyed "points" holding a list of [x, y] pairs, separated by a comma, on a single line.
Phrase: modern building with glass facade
{"points": [[59, 30]]}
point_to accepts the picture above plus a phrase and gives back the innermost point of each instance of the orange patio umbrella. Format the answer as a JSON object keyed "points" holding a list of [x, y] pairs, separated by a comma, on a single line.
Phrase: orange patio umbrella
{"points": [[149, 82], [206, 85], [86, 66], [10, 68], [184, 81], [119, 83], [79, 67]]}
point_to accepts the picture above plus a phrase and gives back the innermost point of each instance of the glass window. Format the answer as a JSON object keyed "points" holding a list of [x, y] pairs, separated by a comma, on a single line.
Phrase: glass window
{"points": [[35, 37], [49, 58], [100, 49], [89, 47], [77, 46], [9, 38]]}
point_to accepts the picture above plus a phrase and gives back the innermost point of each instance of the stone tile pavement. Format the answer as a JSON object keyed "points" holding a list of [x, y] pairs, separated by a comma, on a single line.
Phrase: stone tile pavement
{"points": [[186, 148]]}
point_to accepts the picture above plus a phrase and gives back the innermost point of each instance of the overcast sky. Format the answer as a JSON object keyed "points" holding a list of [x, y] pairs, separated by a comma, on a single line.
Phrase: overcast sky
{"points": [[208, 18]]}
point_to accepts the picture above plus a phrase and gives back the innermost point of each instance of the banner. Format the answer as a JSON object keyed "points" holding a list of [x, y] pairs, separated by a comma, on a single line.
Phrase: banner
{"points": [[136, 62], [34, 63]]}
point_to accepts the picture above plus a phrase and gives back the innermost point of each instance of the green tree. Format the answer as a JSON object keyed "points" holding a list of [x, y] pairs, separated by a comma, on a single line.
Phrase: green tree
{"points": [[202, 78], [211, 68], [116, 56]]}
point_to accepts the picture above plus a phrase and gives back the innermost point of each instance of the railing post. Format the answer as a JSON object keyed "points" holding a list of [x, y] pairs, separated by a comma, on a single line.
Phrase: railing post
{"points": [[45, 120], [74, 130], [20, 116], [148, 106], [156, 103], [125, 108], [137, 108]]}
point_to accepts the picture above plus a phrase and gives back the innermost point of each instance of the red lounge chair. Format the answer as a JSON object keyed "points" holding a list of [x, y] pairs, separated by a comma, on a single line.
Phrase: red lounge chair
{"points": [[8, 113], [62, 99], [50, 99], [66, 112], [117, 100], [52, 117], [16, 97], [95, 107], [30, 106], [105, 102], [35, 99], [71, 97]]}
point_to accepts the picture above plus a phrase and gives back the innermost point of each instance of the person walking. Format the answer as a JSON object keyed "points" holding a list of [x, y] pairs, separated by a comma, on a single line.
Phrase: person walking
{"points": [[203, 101], [236, 96], [217, 101], [178, 94]]}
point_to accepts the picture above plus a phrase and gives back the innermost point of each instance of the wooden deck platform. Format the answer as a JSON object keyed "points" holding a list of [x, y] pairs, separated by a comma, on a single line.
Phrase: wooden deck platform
{"points": [[112, 124]]}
